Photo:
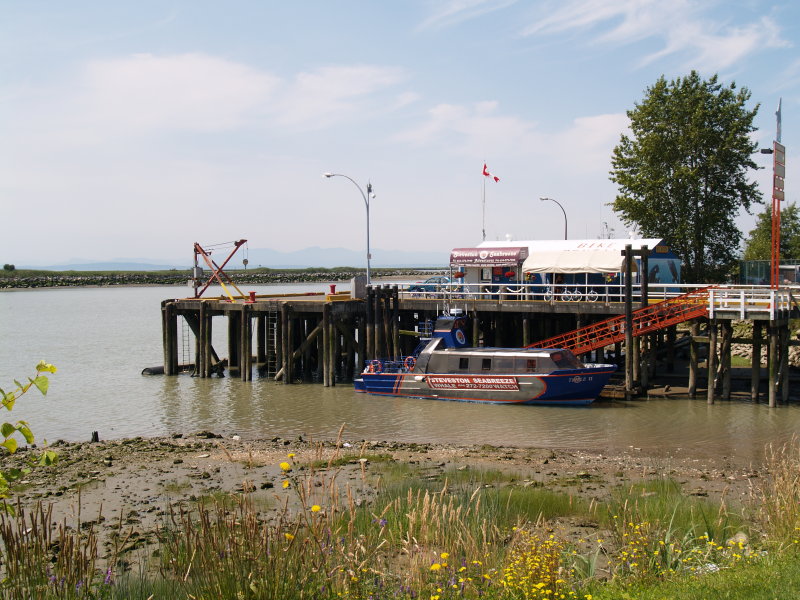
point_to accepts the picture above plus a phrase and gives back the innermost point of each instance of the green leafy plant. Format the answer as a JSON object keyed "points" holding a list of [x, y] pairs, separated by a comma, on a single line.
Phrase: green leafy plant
{"points": [[8, 430]]}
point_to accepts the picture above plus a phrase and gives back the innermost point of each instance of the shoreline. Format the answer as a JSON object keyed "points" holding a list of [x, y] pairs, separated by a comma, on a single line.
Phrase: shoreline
{"points": [[133, 483]]}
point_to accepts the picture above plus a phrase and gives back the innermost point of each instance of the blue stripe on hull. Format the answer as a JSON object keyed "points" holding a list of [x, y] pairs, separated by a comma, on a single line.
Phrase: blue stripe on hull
{"points": [[562, 388]]}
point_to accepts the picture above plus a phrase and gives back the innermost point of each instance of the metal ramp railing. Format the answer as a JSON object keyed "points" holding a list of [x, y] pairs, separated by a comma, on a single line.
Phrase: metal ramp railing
{"points": [[645, 320]]}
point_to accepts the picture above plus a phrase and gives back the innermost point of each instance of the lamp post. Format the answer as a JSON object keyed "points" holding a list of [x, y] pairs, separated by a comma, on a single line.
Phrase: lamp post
{"points": [[366, 197], [562, 210]]}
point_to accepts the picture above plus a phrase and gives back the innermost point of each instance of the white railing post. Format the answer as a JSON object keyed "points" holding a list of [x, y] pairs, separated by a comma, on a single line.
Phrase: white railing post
{"points": [[741, 304], [711, 304]]}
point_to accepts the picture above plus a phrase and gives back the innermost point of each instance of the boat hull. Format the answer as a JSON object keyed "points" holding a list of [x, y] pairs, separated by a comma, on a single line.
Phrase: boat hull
{"points": [[569, 387]]}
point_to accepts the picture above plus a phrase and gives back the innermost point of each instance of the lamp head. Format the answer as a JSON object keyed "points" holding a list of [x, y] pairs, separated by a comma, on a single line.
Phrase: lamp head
{"points": [[327, 174]]}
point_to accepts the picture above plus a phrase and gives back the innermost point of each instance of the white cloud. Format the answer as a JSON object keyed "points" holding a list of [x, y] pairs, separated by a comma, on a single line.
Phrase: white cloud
{"points": [[683, 25], [480, 130], [458, 11], [316, 97], [147, 95], [188, 91]]}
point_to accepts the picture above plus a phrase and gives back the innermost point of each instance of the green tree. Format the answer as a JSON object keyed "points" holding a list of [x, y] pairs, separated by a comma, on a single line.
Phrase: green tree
{"points": [[8, 267], [683, 173], [759, 243], [9, 443]]}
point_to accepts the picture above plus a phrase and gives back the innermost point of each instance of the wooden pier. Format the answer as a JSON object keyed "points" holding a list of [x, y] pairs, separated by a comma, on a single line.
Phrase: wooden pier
{"points": [[326, 338]]}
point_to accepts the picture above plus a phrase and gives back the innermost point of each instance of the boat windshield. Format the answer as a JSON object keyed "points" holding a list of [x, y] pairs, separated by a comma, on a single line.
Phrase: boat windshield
{"points": [[565, 359]]}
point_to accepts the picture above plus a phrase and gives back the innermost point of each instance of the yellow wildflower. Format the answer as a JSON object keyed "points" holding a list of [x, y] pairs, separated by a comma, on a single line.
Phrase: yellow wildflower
{"points": [[445, 555], [291, 455], [285, 466], [316, 508], [435, 567], [286, 484], [288, 536]]}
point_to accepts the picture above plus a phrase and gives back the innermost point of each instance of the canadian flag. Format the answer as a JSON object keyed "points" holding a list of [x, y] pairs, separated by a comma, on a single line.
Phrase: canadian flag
{"points": [[487, 174]]}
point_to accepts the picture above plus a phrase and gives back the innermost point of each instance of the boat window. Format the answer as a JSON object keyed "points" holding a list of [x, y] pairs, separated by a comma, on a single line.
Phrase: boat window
{"points": [[503, 365], [463, 363], [530, 365], [486, 364], [566, 360]]}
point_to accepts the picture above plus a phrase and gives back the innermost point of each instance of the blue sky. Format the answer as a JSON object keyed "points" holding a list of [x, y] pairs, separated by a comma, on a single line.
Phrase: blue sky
{"points": [[133, 129]]}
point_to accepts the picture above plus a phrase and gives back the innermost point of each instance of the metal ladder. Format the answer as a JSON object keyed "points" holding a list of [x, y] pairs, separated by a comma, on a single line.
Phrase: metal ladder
{"points": [[187, 344], [273, 317]]}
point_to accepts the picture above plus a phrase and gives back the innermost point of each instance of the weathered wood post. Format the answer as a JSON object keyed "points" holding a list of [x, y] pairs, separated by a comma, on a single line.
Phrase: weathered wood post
{"points": [[234, 342], [169, 330], [331, 350], [628, 322], [369, 328], [246, 337], [645, 346], [286, 357], [261, 339], [396, 322], [784, 368], [362, 343], [711, 361], [725, 357], [694, 359], [772, 361], [672, 334], [326, 332], [755, 361]]}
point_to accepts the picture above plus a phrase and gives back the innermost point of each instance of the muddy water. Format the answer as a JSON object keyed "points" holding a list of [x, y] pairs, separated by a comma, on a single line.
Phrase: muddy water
{"points": [[101, 338]]}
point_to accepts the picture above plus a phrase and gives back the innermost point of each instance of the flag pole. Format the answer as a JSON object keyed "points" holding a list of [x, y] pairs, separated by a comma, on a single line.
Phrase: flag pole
{"points": [[483, 205]]}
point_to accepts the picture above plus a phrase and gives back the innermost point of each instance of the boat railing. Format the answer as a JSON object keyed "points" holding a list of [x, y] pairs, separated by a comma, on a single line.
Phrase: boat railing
{"points": [[379, 365]]}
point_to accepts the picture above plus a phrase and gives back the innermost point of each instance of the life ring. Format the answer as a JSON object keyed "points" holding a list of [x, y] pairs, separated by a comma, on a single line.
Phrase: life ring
{"points": [[409, 363], [375, 366]]}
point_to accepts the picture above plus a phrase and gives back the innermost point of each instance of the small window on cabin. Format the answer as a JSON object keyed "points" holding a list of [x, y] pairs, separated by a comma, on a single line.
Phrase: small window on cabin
{"points": [[503, 365], [463, 363], [530, 365], [486, 364]]}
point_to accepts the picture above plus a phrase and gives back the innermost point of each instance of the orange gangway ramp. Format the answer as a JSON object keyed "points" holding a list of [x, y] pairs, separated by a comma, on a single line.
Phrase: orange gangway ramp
{"points": [[645, 320]]}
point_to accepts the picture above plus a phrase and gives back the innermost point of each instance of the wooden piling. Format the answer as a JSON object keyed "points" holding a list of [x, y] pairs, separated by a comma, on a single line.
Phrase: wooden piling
{"points": [[246, 340], [261, 339], [755, 361], [711, 360], [772, 361], [694, 359], [725, 357]]}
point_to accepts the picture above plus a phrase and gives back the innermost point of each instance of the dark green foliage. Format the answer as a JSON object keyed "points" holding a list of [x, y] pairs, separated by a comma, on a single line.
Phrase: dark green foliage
{"points": [[8, 267], [759, 242], [683, 173]]}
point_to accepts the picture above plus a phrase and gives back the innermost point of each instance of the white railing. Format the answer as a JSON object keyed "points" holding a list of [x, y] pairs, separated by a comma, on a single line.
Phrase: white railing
{"points": [[750, 299], [742, 299], [527, 292]]}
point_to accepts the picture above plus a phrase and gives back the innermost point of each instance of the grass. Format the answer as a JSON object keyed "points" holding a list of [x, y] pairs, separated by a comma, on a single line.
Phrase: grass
{"points": [[459, 533]]}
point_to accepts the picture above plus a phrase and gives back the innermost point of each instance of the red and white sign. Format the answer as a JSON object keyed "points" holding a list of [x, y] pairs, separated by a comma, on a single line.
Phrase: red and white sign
{"points": [[489, 257], [471, 382]]}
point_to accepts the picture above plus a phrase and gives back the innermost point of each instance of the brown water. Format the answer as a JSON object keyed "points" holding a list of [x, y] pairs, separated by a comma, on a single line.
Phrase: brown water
{"points": [[101, 338]]}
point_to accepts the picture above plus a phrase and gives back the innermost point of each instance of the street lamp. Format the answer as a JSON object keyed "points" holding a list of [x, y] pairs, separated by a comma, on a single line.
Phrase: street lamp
{"points": [[366, 197], [562, 210]]}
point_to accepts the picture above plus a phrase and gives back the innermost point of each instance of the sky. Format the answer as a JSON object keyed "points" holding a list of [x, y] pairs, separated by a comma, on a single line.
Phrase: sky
{"points": [[134, 129]]}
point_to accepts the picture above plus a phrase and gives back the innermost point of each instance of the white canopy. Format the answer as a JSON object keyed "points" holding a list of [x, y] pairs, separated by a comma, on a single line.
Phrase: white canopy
{"points": [[593, 260], [576, 256]]}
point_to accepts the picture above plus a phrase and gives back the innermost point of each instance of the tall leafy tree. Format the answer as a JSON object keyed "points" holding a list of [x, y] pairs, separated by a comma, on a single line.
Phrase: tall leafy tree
{"points": [[683, 173], [759, 243]]}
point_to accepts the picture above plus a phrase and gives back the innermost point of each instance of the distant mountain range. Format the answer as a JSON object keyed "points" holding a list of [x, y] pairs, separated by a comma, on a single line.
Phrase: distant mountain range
{"points": [[267, 257]]}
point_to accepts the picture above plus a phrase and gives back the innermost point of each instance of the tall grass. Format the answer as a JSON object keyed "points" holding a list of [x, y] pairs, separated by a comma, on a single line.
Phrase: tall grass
{"points": [[435, 535]]}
